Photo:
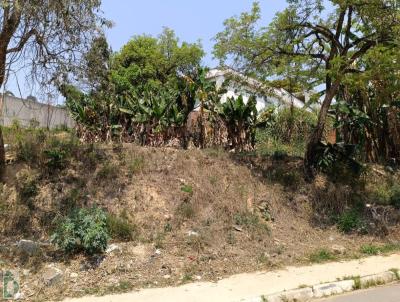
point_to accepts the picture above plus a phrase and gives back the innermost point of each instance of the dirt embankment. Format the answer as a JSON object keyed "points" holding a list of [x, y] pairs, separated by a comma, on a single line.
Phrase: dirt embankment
{"points": [[196, 215]]}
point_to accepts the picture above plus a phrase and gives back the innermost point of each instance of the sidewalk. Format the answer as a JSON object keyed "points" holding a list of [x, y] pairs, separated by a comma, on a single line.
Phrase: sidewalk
{"points": [[245, 286]]}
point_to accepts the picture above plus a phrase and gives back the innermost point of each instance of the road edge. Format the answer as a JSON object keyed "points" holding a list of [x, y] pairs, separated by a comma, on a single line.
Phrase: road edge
{"points": [[322, 290]]}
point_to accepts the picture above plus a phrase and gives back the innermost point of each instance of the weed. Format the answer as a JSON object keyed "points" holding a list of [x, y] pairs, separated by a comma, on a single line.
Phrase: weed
{"points": [[370, 249], [257, 227], [159, 240], [231, 238], [372, 283], [92, 156], [28, 149], [83, 230], [187, 277], [187, 189], [107, 172], [303, 286], [214, 152], [197, 242], [349, 221], [71, 200], [185, 210], [56, 158], [322, 255], [120, 228], [213, 180], [357, 282], [121, 287], [27, 187], [135, 165], [246, 219], [381, 194], [167, 227], [396, 272], [263, 258], [5, 193]]}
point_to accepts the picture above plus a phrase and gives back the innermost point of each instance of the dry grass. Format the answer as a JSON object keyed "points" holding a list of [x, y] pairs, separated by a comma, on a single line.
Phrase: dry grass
{"points": [[210, 213]]}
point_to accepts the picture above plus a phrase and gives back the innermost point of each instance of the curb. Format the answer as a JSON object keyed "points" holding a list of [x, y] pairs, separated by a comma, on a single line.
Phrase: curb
{"points": [[327, 289]]}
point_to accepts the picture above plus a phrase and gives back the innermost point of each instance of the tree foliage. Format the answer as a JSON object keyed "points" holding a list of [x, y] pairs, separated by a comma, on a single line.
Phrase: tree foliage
{"points": [[47, 36], [327, 39], [144, 92]]}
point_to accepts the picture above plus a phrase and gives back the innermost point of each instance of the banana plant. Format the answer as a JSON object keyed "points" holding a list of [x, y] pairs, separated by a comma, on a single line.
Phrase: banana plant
{"points": [[240, 118]]}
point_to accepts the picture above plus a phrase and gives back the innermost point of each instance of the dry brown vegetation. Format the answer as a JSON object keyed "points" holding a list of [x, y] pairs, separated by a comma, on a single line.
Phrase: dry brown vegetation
{"points": [[189, 214]]}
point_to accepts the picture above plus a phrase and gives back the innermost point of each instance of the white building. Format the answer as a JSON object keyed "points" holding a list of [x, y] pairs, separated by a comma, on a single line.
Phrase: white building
{"points": [[245, 86]]}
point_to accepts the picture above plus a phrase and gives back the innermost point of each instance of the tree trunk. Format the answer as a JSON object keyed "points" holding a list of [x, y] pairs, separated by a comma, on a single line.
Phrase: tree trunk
{"points": [[315, 138], [2, 149]]}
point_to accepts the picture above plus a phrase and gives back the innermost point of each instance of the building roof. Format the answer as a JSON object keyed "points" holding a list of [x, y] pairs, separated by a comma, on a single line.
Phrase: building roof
{"points": [[283, 95]]}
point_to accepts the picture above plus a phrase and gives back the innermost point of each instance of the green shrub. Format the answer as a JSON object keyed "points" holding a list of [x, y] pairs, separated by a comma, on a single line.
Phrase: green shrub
{"points": [[83, 230], [349, 221], [28, 149], [284, 130], [369, 249], [120, 228], [252, 222], [246, 219], [56, 158], [381, 194]]}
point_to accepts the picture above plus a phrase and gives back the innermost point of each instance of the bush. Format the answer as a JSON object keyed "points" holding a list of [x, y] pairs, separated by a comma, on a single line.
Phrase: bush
{"points": [[56, 158], [28, 148], [349, 221], [284, 131], [83, 230], [369, 249], [120, 227]]}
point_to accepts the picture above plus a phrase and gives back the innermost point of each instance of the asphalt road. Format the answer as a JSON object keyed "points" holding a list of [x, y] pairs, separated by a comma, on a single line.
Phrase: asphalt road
{"points": [[389, 293]]}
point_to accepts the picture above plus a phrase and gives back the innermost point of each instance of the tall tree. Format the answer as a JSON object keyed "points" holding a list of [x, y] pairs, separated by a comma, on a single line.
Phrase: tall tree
{"points": [[47, 36], [328, 37]]}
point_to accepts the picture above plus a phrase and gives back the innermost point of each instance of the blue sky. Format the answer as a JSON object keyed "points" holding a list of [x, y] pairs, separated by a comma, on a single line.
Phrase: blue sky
{"points": [[191, 19]]}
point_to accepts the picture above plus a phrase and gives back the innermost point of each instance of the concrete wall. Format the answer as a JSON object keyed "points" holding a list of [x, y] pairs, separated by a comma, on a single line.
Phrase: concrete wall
{"points": [[26, 111]]}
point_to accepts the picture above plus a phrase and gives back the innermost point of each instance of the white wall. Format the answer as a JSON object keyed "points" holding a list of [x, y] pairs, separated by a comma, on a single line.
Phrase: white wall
{"points": [[25, 111]]}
